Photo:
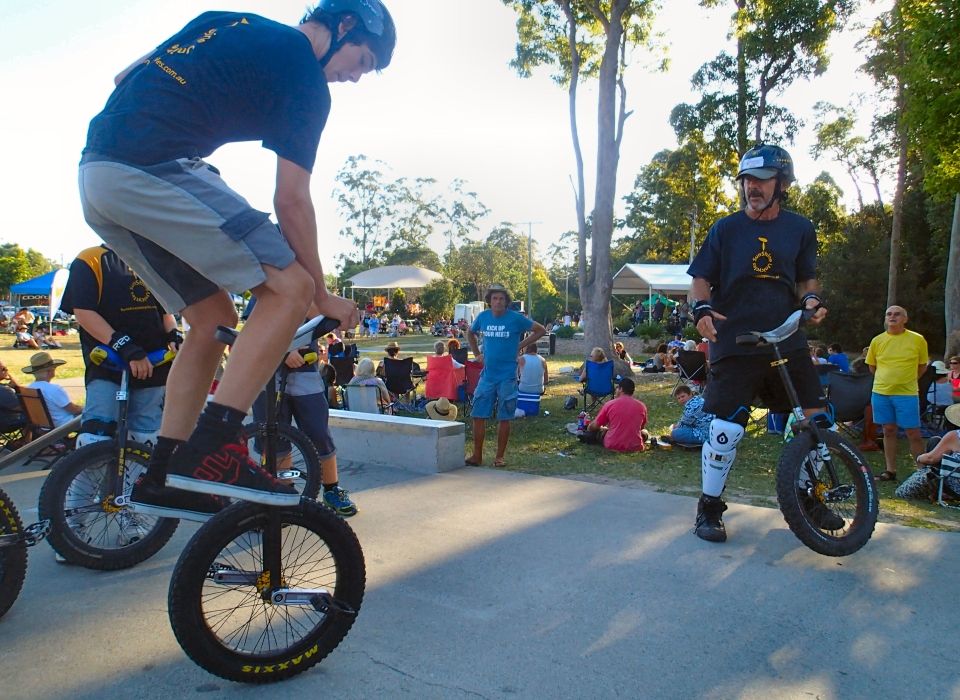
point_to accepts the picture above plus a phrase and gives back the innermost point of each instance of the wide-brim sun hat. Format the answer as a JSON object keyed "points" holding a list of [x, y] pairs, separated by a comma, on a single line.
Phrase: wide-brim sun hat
{"points": [[497, 287], [392, 345], [952, 413], [40, 362], [442, 409], [940, 367]]}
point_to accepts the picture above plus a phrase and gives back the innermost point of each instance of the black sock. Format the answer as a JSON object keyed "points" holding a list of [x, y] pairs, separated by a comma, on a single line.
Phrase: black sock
{"points": [[161, 455], [330, 487], [217, 426]]}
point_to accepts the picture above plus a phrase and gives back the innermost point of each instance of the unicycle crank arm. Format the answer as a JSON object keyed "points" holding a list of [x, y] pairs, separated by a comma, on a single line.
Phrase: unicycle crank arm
{"points": [[297, 596], [234, 577], [323, 602], [31, 535]]}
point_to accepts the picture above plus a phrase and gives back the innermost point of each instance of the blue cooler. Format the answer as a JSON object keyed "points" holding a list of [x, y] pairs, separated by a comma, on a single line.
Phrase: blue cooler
{"points": [[529, 403]]}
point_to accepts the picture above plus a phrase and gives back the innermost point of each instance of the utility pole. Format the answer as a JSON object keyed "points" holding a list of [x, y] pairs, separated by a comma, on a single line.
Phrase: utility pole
{"points": [[529, 225]]}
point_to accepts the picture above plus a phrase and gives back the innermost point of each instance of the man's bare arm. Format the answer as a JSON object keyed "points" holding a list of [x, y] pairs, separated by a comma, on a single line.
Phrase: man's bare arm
{"points": [[126, 71], [812, 287], [94, 324]]}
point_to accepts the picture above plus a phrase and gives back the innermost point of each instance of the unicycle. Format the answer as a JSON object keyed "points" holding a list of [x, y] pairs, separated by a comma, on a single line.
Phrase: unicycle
{"points": [[825, 487], [86, 498], [14, 540], [262, 593]]}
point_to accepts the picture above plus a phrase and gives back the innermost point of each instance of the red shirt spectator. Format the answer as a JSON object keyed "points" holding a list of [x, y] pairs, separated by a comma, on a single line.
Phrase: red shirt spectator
{"points": [[624, 417]]}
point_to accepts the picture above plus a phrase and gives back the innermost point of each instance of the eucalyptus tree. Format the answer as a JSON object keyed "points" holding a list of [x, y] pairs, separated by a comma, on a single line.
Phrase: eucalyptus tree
{"points": [[580, 40]]}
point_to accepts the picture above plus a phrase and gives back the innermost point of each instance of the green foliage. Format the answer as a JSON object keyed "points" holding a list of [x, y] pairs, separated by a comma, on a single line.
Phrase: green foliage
{"points": [[398, 302], [650, 330], [367, 201], [665, 195], [565, 332], [690, 332], [623, 321], [547, 301], [502, 258], [439, 298], [421, 257], [18, 265]]}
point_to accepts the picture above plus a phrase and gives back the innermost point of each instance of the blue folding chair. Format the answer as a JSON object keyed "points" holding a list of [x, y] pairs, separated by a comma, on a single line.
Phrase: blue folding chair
{"points": [[599, 384]]}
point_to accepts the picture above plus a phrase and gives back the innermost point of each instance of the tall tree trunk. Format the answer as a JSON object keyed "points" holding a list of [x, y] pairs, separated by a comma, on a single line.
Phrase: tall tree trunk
{"points": [[903, 142], [741, 83], [951, 300]]}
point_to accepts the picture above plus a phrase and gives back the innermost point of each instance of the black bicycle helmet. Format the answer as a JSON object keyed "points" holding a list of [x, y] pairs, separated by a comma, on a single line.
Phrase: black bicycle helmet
{"points": [[765, 161], [378, 30]]}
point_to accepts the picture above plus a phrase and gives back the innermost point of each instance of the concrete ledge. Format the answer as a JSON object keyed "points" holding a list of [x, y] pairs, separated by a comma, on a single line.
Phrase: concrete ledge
{"points": [[417, 444]]}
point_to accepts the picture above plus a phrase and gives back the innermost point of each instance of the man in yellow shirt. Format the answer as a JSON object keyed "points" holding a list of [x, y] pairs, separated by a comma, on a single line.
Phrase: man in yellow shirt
{"points": [[897, 358]]}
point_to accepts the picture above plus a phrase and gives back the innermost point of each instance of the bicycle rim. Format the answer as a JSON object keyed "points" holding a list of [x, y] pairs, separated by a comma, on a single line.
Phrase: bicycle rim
{"points": [[832, 520], [228, 628]]}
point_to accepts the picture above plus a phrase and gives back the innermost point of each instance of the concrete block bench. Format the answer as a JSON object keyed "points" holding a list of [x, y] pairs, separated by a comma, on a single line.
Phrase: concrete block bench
{"points": [[417, 444]]}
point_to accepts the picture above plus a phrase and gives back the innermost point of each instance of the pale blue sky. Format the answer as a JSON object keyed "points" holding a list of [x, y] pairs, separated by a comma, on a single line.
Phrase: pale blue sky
{"points": [[448, 106]]}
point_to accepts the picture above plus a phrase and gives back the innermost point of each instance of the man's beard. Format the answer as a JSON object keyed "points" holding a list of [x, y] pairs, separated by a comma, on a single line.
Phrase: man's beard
{"points": [[757, 193]]}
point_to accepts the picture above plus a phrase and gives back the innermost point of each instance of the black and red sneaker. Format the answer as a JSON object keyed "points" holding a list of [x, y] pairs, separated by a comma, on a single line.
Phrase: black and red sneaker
{"points": [[151, 497], [229, 472]]}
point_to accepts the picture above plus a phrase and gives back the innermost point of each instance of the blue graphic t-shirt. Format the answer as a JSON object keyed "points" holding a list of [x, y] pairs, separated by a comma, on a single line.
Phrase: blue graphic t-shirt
{"points": [[753, 268], [225, 77], [501, 342]]}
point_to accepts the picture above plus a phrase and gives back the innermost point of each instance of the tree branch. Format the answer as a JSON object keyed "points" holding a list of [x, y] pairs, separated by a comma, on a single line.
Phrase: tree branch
{"points": [[595, 10]]}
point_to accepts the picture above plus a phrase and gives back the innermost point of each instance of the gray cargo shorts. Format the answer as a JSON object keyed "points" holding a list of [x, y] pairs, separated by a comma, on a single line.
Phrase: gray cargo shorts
{"points": [[180, 228]]}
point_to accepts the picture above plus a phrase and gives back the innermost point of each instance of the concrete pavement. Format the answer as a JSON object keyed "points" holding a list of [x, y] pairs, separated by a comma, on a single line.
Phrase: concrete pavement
{"points": [[483, 584]]}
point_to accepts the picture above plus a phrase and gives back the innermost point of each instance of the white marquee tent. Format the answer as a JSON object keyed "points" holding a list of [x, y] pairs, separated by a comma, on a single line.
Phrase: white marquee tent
{"points": [[651, 279], [394, 277]]}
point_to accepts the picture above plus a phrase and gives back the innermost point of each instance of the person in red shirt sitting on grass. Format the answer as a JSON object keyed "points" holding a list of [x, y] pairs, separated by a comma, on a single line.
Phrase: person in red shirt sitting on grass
{"points": [[619, 424]]}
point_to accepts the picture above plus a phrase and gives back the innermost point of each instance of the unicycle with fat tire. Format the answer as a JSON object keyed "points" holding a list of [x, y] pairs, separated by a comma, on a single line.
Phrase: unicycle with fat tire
{"points": [[262, 593], [86, 498], [14, 540], [825, 487]]}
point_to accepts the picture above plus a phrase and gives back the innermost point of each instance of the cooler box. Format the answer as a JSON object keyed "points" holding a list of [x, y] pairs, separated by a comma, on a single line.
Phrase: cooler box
{"points": [[529, 403]]}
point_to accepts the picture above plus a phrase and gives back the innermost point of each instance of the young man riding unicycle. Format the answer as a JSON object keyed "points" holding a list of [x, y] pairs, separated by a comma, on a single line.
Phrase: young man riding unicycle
{"points": [[146, 190]]}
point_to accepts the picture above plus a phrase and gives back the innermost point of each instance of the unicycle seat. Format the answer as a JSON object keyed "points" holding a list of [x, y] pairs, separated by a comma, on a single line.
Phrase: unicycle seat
{"points": [[777, 335]]}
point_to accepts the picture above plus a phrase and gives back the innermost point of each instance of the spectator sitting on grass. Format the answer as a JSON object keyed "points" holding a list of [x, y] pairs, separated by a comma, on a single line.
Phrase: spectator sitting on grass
{"points": [[596, 355], [662, 362], [693, 428], [836, 357], [922, 483], [677, 341], [622, 353], [26, 340], [45, 341], [44, 368], [452, 344], [619, 424]]}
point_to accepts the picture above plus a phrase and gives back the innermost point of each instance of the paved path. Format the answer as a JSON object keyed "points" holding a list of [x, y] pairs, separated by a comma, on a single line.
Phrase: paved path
{"points": [[498, 585], [74, 387]]}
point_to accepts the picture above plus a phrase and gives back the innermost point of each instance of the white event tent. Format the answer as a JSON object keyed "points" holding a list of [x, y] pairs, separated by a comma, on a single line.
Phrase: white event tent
{"points": [[649, 279], [394, 277]]}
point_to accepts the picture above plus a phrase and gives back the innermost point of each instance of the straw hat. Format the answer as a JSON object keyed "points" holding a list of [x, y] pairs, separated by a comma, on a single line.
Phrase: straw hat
{"points": [[392, 345], [952, 413], [40, 362], [442, 409], [940, 367]]}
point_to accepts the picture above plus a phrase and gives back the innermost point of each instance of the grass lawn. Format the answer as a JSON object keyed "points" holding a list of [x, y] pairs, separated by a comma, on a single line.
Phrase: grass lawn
{"points": [[16, 358]]}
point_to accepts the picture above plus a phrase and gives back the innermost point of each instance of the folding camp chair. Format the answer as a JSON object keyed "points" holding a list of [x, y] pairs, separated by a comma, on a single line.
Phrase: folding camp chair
{"points": [[932, 420], [471, 373], [344, 367], [460, 355], [599, 384], [335, 349], [949, 468], [38, 422], [691, 368], [362, 399], [849, 395], [398, 376]]}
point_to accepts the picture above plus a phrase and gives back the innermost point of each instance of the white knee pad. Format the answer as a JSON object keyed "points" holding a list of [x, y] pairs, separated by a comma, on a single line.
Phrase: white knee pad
{"points": [[718, 454], [90, 438], [149, 439]]}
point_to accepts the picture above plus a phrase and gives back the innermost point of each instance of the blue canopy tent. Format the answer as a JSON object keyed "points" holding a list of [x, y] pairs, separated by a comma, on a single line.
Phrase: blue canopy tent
{"points": [[37, 287]]}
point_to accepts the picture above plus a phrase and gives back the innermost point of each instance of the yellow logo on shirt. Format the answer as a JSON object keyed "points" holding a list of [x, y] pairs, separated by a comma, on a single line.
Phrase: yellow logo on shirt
{"points": [[139, 291], [762, 261]]}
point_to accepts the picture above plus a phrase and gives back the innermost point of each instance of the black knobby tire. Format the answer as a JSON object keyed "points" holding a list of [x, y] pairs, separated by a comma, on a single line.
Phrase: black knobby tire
{"points": [[229, 630], [859, 512], [97, 538], [13, 560], [303, 455]]}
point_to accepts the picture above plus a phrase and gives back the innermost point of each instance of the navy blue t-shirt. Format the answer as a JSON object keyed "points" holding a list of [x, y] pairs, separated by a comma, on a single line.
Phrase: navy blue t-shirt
{"points": [[225, 77], [753, 268]]}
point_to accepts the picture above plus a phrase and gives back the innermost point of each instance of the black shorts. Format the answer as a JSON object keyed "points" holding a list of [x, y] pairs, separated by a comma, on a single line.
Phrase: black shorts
{"points": [[738, 382]]}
